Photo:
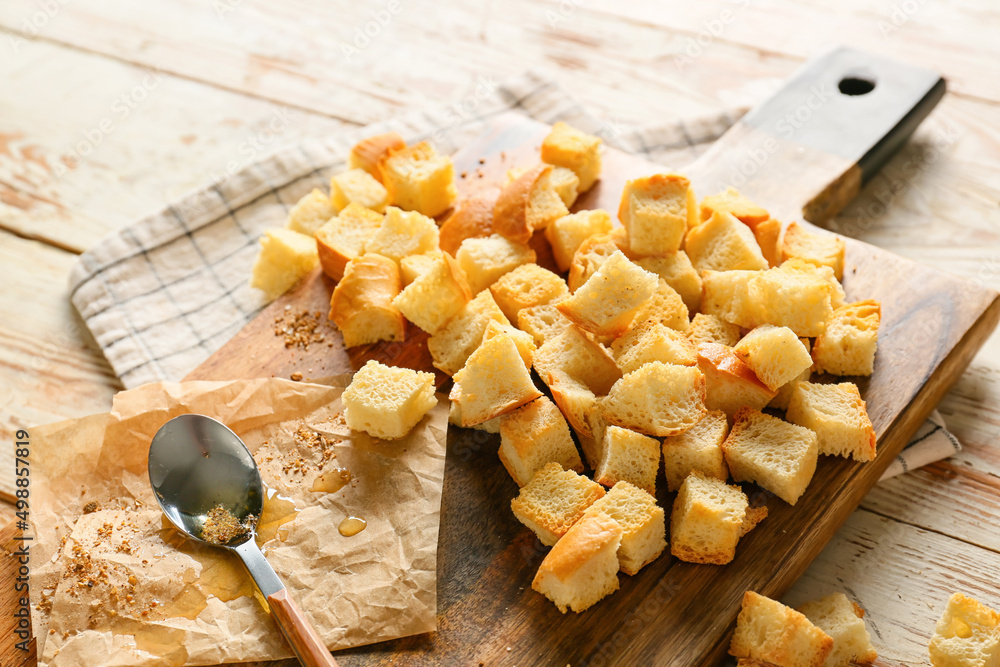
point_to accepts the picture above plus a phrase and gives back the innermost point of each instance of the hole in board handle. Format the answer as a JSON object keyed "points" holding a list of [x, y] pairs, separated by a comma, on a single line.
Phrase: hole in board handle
{"points": [[856, 85]]}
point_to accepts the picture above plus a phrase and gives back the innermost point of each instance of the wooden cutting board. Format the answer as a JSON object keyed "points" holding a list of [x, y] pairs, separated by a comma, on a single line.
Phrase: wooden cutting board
{"points": [[672, 613]]}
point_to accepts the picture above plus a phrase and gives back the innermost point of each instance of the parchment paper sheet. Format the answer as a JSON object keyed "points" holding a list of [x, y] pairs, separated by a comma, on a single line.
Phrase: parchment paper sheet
{"points": [[118, 586]]}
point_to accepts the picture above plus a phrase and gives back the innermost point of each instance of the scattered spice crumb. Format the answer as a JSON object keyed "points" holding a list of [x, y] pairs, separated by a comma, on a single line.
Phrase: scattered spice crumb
{"points": [[91, 507], [299, 327], [482, 160], [296, 376]]}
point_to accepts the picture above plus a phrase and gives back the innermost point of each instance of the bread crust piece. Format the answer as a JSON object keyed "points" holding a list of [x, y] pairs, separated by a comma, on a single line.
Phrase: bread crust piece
{"points": [[770, 632], [361, 303], [367, 153], [472, 219], [527, 203]]}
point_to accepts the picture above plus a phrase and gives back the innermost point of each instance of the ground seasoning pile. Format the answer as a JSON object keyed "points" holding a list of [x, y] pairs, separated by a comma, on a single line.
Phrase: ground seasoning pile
{"points": [[300, 327], [221, 527]]}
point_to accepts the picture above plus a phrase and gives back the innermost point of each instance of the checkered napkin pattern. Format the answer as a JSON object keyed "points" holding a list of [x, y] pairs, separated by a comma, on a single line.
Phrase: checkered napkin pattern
{"points": [[164, 293]]}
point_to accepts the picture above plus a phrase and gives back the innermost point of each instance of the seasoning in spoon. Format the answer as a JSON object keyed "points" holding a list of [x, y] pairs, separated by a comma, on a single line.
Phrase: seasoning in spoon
{"points": [[221, 527]]}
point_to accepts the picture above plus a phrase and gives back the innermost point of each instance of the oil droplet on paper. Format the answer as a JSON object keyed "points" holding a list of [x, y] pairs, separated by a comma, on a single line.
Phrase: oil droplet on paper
{"points": [[352, 525], [331, 481]]}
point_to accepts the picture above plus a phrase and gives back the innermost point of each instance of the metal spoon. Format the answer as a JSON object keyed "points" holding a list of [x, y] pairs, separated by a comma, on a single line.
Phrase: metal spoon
{"points": [[197, 464]]}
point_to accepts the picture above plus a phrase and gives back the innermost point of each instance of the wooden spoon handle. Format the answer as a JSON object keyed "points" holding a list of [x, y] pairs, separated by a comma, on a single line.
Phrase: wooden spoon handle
{"points": [[305, 642]]}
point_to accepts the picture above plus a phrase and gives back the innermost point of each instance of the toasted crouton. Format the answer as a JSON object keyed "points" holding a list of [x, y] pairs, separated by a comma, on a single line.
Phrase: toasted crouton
{"points": [[712, 329], [525, 343], [402, 234], [643, 524], [665, 306], [494, 381], [566, 184], [780, 400], [774, 354], [362, 302], [656, 212], [729, 383], [567, 233], [471, 219], [795, 299], [485, 260], [652, 341], [767, 233], [533, 435], [455, 415], [770, 632], [418, 179], [731, 201], [707, 520], [582, 567], [657, 399], [680, 274], [730, 296], [697, 449], [357, 186], [592, 253], [435, 297], [542, 322], [818, 249], [629, 456], [772, 453], [412, 267], [824, 273], [367, 153], [527, 204], [387, 402], [844, 622], [451, 346], [344, 237], [554, 500], [607, 302], [527, 285], [565, 146], [967, 634], [310, 213], [723, 243], [285, 258], [847, 345], [837, 415]]}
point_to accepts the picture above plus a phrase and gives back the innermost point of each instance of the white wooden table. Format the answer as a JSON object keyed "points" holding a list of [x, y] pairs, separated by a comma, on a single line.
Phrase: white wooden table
{"points": [[110, 109]]}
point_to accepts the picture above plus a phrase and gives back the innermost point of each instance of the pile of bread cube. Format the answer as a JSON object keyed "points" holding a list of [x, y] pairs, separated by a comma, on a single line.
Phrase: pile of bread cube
{"points": [[659, 342]]}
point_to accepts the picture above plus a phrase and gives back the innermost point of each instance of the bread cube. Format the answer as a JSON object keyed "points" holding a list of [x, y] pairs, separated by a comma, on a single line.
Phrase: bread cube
{"points": [[455, 416], [824, 273], [607, 302], [656, 212], [359, 187], [836, 413], [526, 204], [657, 399], [723, 243], [387, 402], [847, 345], [770, 632], [732, 202], [766, 234], [628, 456], [844, 622], [567, 233], [707, 520], [471, 219], [310, 213], [527, 285], [712, 329], [795, 299], [554, 500], [494, 381], [525, 343], [774, 354], [772, 453], [698, 449], [566, 184], [731, 296], [285, 258], [729, 383], [665, 306], [582, 567], [343, 238], [412, 267], [818, 249], [485, 260], [643, 524], [418, 179], [780, 400], [593, 252], [967, 634], [533, 435], [566, 146], [451, 345], [435, 297], [677, 270], [402, 234], [652, 341], [367, 153], [542, 322], [362, 302], [593, 445]]}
